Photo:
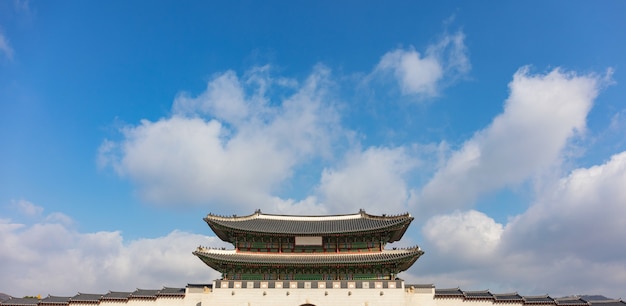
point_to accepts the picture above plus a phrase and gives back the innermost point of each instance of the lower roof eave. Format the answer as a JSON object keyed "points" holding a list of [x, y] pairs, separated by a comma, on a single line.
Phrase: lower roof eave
{"points": [[400, 260]]}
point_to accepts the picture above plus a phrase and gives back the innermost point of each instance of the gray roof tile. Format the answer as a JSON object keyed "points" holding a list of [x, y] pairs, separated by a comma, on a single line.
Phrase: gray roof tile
{"points": [[145, 293], [86, 298], [215, 258], [484, 294], [507, 297], [21, 302], [574, 301], [448, 292], [167, 291], [55, 300], [538, 299], [116, 295], [309, 225]]}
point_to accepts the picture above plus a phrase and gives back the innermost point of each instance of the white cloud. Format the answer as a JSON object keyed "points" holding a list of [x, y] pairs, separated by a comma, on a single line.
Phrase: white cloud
{"points": [[567, 242], [424, 75], [372, 180], [224, 99], [541, 114], [414, 74], [309, 206], [5, 47], [27, 208], [473, 233], [581, 215], [227, 146], [49, 257]]}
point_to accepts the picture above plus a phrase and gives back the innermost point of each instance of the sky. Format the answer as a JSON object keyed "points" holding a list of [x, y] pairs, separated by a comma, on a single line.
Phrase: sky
{"points": [[499, 126]]}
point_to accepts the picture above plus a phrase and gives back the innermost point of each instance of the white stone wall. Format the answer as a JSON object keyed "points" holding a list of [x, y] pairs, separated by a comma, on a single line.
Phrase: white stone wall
{"points": [[168, 301], [419, 296], [318, 297]]}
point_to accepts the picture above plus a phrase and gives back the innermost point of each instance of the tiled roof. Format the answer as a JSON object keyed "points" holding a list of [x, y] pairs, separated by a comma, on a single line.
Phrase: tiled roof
{"points": [[166, 291], [538, 299], [4, 297], [57, 300], [448, 292], [507, 297], [116, 295], [216, 258], [86, 298], [574, 301], [309, 225], [144, 293], [21, 302], [96, 298], [485, 294]]}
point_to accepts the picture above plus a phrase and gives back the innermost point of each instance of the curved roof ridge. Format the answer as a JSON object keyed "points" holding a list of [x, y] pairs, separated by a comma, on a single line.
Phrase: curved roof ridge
{"points": [[311, 217], [227, 228], [385, 216], [234, 216], [260, 215], [478, 291], [451, 288], [506, 293]]}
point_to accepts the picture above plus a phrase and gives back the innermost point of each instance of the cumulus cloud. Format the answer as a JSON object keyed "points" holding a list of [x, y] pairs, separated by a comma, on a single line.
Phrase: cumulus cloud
{"points": [[541, 114], [50, 257], [424, 75], [224, 99], [471, 233], [580, 215], [231, 144], [567, 242], [368, 179]]}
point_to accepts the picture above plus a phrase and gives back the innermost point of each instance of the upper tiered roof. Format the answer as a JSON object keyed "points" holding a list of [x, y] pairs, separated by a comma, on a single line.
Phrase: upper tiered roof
{"points": [[284, 225]]}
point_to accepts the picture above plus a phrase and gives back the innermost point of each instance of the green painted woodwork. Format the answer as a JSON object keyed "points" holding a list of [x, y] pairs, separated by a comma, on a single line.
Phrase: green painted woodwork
{"points": [[251, 276]]}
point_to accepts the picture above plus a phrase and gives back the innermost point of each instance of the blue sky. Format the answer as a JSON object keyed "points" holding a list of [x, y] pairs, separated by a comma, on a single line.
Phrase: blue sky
{"points": [[498, 125]]}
